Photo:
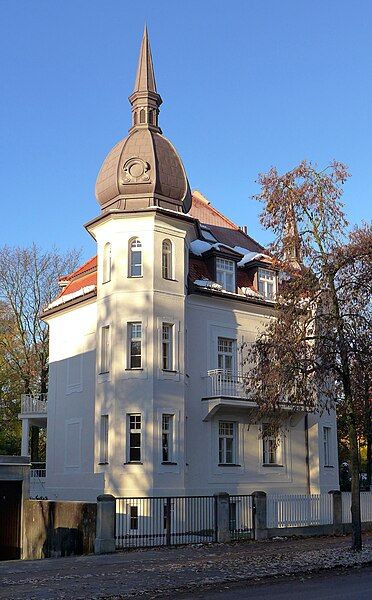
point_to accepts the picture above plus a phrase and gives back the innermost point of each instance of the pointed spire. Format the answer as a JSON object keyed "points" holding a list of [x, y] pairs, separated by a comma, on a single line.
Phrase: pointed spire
{"points": [[145, 79], [145, 99]]}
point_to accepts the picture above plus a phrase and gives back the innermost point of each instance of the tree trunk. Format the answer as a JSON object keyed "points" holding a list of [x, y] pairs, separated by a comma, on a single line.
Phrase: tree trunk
{"points": [[356, 524]]}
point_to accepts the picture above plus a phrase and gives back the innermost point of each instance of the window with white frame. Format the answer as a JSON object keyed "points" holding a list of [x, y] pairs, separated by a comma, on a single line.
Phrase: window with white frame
{"points": [[267, 283], [226, 442], [106, 271], [134, 437], [105, 349], [167, 438], [226, 350], [167, 346], [270, 447], [135, 258], [103, 451], [225, 274], [166, 259], [133, 514], [135, 345], [327, 446]]}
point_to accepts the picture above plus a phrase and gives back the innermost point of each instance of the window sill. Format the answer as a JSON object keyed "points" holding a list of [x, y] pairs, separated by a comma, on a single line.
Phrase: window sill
{"points": [[135, 276], [169, 371], [168, 462], [103, 372], [134, 369], [272, 465], [133, 462], [104, 463], [328, 466], [229, 465]]}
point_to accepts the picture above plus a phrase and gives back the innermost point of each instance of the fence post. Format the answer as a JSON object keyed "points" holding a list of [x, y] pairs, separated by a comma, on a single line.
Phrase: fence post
{"points": [[337, 511], [105, 527], [223, 517], [259, 515], [168, 521]]}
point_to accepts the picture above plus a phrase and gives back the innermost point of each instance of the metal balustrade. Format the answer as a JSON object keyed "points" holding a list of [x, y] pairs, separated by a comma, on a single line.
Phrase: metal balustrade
{"points": [[31, 404]]}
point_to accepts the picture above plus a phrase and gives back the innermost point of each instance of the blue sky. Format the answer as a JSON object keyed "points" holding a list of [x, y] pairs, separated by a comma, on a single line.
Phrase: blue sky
{"points": [[246, 84]]}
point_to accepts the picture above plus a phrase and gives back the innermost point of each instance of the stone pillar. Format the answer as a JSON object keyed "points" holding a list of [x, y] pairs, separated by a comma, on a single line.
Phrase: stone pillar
{"points": [[223, 517], [25, 446], [259, 515], [337, 512], [105, 527]]}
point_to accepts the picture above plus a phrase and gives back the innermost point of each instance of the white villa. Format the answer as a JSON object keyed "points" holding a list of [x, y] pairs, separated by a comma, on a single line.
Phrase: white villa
{"points": [[145, 382]]}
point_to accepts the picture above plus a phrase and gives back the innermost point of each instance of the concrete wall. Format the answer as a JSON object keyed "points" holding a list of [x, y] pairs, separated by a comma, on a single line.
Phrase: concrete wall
{"points": [[53, 529]]}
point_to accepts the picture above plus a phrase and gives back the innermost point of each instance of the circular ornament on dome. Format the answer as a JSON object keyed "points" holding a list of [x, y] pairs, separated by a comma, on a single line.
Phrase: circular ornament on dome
{"points": [[135, 171]]}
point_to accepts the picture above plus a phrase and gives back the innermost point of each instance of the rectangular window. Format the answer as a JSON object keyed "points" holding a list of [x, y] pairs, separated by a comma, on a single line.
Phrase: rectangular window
{"points": [[134, 428], [105, 349], [133, 512], [167, 438], [225, 274], [226, 443], [103, 458], [167, 347], [270, 447], [327, 446], [135, 345], [226, 354], [267, 283]]}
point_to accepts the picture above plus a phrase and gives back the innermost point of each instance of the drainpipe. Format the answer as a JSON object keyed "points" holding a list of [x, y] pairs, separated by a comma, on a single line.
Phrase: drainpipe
{"points": [[306, 422]]}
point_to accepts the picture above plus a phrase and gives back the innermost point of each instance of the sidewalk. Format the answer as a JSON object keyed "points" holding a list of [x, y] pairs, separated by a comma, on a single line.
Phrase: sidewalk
{"points": [[157, 572]]}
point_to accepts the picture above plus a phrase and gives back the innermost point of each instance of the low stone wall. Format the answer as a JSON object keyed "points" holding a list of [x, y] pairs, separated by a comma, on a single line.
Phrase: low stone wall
{"points": [[53, 529], [314, 530]]}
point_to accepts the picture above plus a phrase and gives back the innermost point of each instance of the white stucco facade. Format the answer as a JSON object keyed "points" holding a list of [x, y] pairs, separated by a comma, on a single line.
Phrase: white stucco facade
{"points": [[80, 394]]}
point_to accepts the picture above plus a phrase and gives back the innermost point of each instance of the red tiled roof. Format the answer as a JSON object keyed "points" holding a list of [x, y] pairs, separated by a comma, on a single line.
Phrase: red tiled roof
{"points": [[79, 283], [202, 210], [198, 269], [89, 265]]}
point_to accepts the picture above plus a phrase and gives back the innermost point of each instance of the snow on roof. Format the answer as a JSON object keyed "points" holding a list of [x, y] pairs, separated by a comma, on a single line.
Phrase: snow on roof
{"points": [[67, 297], [208, 283]]}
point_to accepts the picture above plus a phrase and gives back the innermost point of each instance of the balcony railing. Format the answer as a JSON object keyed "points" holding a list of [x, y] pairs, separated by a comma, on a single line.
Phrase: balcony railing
{"points": [[227, 383], [34, 404]]}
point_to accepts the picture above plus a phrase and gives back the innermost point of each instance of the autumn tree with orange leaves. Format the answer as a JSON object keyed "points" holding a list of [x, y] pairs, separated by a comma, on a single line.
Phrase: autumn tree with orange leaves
{"points": [[311, 354]]}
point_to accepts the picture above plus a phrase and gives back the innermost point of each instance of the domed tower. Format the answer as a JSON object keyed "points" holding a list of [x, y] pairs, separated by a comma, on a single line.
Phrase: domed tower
{"points": [[144, 169]]}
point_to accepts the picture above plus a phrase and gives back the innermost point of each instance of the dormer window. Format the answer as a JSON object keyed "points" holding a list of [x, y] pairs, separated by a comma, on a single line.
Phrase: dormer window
{"points": [[267, 284], [225, 274]]}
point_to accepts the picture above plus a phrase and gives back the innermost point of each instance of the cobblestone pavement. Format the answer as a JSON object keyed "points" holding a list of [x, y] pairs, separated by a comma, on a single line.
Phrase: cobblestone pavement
{"points": [[163, 572]]}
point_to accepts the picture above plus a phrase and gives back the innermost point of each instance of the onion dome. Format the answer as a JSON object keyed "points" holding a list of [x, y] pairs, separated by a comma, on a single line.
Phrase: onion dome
{"points": [[144, 169]]}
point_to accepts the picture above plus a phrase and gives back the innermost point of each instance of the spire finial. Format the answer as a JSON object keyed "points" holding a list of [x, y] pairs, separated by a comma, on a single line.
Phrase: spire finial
{"points": [[145, 100]]}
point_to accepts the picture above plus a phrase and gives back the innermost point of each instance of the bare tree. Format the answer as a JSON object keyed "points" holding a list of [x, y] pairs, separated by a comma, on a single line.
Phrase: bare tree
{"points": [[308, 356], [28, 282]]}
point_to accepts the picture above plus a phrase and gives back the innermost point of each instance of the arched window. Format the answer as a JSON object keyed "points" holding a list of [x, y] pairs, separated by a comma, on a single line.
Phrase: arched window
{"points": [[166, 259], [135, 258], [106, 272], [142, 116], [135, 118]]}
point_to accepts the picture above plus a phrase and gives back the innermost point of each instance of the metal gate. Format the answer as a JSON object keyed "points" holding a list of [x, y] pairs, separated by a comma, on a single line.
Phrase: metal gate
{"points": [[10, 519], [165, 520], [241, 514]]}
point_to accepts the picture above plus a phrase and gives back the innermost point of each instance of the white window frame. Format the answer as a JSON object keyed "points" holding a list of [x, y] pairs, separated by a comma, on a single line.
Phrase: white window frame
{"points": [[106, 263], [327, 446], [271, 448], [223, 355], [167, 259], [133, 420], [104, 440], [135, 335], [105, 350], [225, 270], [230, 433], [167, 342], [167, 438], [266, 278], [135, 247]]}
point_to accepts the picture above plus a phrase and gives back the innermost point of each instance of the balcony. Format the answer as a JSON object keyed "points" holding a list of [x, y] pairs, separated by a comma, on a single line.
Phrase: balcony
{"points": [[228, 390], [34, 405], [226, 383]]}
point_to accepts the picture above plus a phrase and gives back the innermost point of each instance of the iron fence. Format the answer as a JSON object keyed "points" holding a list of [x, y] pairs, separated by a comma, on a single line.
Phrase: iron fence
{"points": [[241, 516], [164, 520]]}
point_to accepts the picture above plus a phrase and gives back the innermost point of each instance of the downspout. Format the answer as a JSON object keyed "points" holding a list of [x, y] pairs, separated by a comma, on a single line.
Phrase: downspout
{"points": [[307, 460]]}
